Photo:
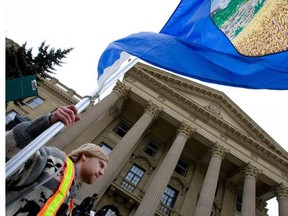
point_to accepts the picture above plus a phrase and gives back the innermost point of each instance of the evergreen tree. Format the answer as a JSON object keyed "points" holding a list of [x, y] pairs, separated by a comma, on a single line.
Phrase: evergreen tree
{"points": [[21, 62]]}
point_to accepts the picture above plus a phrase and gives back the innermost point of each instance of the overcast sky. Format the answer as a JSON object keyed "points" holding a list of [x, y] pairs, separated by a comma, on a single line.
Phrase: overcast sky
{"points": [[89, 26]]}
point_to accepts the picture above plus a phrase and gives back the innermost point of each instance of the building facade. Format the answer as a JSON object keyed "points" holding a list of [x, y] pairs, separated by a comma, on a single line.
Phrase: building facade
{"points": [[51, 95], [177, 148]]}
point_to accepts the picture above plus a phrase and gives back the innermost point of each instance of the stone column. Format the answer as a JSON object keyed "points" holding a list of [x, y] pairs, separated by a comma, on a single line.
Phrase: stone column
{"points": [[152, 197], [123, 150], [207, 194], [90, 116], [282, 198], [219, 198], [249, 191], [229, 199], [190, 201]]}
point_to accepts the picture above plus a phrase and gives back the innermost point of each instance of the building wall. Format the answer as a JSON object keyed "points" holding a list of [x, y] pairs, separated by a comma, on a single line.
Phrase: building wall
{"points": [[196, 151], [54, 94], [188, 187], [211, 123]]}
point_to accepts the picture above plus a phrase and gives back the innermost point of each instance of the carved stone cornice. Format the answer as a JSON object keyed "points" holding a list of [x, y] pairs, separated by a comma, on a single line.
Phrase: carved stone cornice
{"points": [[215, 95], [219, 150], [150, 163], [281, 191], [279, 158], [215, 109], [218, 96], [53, 84], [186, 130], [178, 183], [121, 89], [143, 161], [285, 175], [250, 170], [153, 109]]}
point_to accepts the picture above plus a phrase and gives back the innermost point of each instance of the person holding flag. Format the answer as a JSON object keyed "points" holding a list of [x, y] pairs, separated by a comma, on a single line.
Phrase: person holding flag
{"points": [[47, 183]]}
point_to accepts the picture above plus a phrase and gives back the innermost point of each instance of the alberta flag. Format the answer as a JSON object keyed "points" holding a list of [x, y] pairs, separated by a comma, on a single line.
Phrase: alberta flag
{"points": [[228, 42]]}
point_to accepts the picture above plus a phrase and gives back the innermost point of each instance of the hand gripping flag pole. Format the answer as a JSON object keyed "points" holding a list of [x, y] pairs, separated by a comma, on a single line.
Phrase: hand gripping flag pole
{"points": [[16, 161]]}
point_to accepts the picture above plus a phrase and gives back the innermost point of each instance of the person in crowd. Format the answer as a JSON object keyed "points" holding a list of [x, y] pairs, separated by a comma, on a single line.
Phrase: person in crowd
{"points": [[85, 206], [47, 183]]}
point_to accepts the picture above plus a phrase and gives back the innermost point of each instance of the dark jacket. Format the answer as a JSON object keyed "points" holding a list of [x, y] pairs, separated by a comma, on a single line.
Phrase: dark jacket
{"points": [[85, 207]]}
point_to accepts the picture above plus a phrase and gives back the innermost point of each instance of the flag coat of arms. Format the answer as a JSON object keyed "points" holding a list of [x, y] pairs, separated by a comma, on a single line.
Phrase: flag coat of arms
{"points": [[228, 42]]}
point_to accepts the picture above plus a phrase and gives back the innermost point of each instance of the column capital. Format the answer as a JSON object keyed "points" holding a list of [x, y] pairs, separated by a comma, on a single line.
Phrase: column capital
{"points": [[219, 150], [153, 109], [121, 89], [250, 170], [281, 190], [186, 130]]}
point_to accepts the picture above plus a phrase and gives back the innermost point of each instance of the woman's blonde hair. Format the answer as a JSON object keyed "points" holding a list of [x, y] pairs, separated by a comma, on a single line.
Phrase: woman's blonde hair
{"points": [[90, 150]]}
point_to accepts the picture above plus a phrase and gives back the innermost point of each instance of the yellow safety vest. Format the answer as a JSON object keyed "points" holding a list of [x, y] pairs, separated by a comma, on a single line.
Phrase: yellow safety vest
{"points": [[54, 202]]}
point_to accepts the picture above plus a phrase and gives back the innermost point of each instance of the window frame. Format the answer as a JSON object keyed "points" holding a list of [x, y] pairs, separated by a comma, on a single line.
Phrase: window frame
{"points": [[238, 204], [119, 130], [128, 182], [178, 166], [33, 103], [106, 147], [149, 148], [169, 199], [9, 116]]}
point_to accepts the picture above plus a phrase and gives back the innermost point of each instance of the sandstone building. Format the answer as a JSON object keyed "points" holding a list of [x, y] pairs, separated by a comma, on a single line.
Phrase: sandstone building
{"points": [[177, 148]]}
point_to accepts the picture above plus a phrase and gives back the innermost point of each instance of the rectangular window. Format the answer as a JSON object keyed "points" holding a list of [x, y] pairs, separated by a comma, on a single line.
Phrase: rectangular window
{"points": [[151, 148], [105, 147], [133, 177], [182, 167], [36, 101], [13, 118], [10, 116], [168, 200], [238, 204], [121, 129]]}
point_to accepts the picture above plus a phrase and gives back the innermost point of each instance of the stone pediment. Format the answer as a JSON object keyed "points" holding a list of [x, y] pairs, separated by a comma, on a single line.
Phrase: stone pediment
{"points": [[214, 107]]}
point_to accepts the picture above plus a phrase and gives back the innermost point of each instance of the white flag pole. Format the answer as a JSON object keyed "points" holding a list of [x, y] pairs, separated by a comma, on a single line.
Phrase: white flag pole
{"points": [[123, 69], [112, 73], [17, 160]]}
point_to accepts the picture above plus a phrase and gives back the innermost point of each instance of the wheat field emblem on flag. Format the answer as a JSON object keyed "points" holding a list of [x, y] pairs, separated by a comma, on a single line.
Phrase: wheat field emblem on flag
{"points": [[254, 27]]}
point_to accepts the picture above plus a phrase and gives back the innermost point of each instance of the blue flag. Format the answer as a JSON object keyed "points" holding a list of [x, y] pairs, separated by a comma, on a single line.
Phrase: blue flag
{"points": [[234, 43]]}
